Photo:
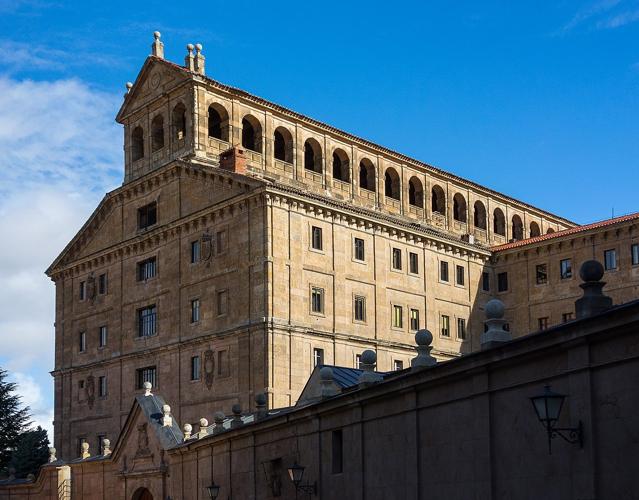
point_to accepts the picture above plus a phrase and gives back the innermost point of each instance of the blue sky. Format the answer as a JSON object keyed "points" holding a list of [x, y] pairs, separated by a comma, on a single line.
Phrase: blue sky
{"points": [[538, 100]]}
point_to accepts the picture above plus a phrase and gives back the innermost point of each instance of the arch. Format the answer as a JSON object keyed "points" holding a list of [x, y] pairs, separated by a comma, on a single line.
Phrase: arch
{"points": [[534, 229], [438, 199], [550, 230], [251, 133], [312, 155], [218, 122], [179, 121], [415, 192], [283, 145], [137, 144], [367, 175], [142, 494], [479, 215], [459, 207], [391, 183], [340, 165], [517, 228], [157, 133], [499, 222]]}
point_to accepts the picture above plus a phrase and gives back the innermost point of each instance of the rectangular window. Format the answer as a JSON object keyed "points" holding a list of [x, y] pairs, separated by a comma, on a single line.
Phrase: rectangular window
{"points": [[398, 365], [542, 323], [337, 452], [443, 271], [445, 326], [541, 273], [397, 258], [147, 269], [567, 317], [102, 284], [148, 374], [485, 282], [398, 313], [634, 254], [147, 215], [83, 290], [102, 336], [317, 300], [358, 249], [222, 302], [195, 368], [220, 242], [461, 328], [147, 324], [565, 269], [413, 263], [83, 341], [610, 260], [195, 251], [460, 271], [414, 319], [195, 310], [102, 386], [358, 361], [318, 357], [360, 308], [316, 238], [502, 282]]}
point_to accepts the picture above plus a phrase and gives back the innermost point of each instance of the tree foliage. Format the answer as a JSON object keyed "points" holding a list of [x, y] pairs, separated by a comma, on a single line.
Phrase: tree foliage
{"points": [[14, 420], [31, 452]]}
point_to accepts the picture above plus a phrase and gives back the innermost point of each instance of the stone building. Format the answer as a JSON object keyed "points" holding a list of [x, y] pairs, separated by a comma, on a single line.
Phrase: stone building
{"points": [[249, 243]]}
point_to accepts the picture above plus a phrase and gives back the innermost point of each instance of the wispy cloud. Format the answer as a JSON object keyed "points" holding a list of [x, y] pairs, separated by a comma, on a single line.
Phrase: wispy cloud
{"points": [[618, 20], [604, 14]]}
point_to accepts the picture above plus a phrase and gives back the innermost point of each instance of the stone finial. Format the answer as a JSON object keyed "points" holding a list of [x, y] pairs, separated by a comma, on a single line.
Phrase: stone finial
{"points": [[31, 477], [52, 452], [204, 423], [218, 418], [329, 388], [237, 416], [260, 405], [167, 420], [423, 339], [593, 301], [368, 361], [157, 48], [495, 333], [147, 388], [106, 447], [199, 59], [188, 428], [12, 473], [189, 60], [128, 86], [85, 450]]}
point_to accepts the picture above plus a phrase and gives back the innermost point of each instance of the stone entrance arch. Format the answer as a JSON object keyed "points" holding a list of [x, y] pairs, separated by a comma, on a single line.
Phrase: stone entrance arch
{"points": [[142, 494]]}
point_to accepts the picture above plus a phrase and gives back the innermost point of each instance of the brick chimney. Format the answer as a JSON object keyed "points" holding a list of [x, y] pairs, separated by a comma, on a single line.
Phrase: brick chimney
{"points": [[234, 160]]}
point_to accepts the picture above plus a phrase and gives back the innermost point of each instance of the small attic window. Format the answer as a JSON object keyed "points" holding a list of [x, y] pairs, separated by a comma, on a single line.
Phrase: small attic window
{"points": [[157, 133], [137, 144]]}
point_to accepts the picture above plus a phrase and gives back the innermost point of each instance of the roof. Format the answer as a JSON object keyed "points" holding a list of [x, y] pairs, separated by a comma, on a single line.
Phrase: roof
{"points": [[566, 232]]}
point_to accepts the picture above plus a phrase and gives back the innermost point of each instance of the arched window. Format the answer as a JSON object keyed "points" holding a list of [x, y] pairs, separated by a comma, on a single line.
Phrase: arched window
{"points": [[218, 122], [391, 183], [517, 228], [534, 229], [179, 121], [415, 192], [340, 165], [142, 494], [438, 200], [459, 208], [157, 133], [550, 230], [367, 175], [137, 144], [283, 145], [312, 155], [499, 222], [251, 134], [479, 215]]}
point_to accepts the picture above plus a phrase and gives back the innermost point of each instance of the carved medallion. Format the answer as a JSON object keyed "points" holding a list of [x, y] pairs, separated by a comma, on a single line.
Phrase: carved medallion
{"points": [[143, 442], [91, 287], [90, 390], [154, 81], [209, 368]]}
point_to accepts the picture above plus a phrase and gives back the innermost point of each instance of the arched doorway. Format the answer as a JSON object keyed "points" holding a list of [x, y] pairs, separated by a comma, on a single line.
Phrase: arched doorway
{"points": [[142, 494]]}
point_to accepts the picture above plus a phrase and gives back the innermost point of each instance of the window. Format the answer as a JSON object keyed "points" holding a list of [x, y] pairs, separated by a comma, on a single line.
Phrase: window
{"points": [[358, 361], [413, 263], [102, 284], [397, 258], [195, 251], [485, 282], [195, 310], [317, 300], [542, 274], [147, 321], [157, 133], [445, 326], [359, 307], [102, 336], [414, 319], [316, 238], [443, 271], [398, 320], [148, 374], [220, 242], [102, 386], [137, 144], [461, 328], [147, 269], [359, 249], [634, 254], [337, 452], [222, 302], [318, 357], [565, 269], [398, 365], [82, 341], [459, 276], [567, 317], [610, 260], [195, 368], [147, 215], [542, 323], [83, 290], [502, 282]]}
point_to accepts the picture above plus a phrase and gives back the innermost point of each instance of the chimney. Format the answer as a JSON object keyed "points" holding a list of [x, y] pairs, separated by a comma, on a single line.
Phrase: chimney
{"points": [[234, 160], [189, 60], [199, 59], [157, 48]]}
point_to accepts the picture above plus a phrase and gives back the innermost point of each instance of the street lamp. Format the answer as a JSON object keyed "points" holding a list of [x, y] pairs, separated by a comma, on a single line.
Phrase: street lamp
{"points": [[296, 473], [213, 490], [548, 408]]}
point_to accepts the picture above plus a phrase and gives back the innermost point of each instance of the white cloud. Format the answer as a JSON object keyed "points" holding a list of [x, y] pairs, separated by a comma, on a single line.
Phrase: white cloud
{"points": [[619, 20], [604, 14], [31, 396]]}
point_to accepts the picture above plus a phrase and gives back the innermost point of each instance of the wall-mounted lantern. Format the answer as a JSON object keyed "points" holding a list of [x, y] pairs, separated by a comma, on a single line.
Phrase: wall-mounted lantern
{"points": [[296, 473], [213, 490], [548, 409]]}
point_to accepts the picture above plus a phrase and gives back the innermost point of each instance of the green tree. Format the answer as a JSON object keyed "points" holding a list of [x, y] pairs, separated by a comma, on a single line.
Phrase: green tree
{"points": [[14, 420], [31, 452]]}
